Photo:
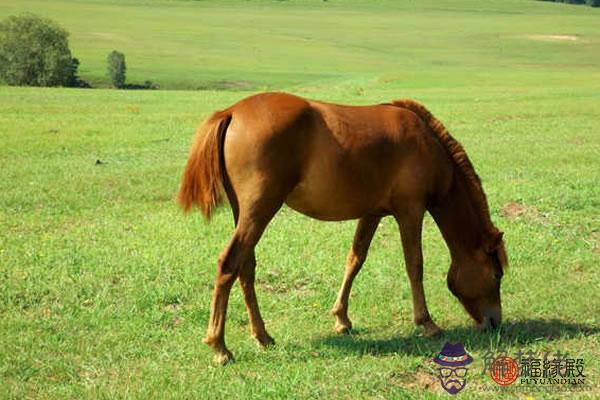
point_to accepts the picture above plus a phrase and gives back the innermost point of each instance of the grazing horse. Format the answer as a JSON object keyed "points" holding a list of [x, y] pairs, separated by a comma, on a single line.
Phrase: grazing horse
{"points": [[336, 162]]}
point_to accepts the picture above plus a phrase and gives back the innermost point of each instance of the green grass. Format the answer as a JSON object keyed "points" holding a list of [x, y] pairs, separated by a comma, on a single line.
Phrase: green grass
{"points": [[105, 286]]}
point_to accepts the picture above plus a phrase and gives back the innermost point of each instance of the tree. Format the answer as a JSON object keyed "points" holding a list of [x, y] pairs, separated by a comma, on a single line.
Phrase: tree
{"points": [[116, 68], [34, 51]]}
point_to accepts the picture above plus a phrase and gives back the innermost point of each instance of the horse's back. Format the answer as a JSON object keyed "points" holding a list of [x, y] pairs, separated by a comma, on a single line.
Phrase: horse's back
{"points": [[330, 161]]}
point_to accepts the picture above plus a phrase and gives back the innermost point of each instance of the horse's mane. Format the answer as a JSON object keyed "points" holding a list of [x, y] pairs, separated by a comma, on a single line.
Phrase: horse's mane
{"points": [[457, 154]]}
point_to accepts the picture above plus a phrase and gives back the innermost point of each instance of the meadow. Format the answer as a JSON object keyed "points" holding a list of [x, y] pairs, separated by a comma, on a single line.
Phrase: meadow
{"points": [[105, 286]]}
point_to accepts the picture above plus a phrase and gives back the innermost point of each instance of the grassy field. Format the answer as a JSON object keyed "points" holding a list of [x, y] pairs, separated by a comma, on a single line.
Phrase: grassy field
{"points": [[254, 45], [105, 286]]}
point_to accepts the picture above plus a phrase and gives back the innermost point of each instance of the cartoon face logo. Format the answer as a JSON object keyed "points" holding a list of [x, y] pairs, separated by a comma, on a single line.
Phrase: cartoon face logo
{"points": [[453, 379], [452, 371]]}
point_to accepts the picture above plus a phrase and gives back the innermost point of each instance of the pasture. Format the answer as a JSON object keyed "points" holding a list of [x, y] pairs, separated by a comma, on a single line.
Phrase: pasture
{"points": [[105, 286]]}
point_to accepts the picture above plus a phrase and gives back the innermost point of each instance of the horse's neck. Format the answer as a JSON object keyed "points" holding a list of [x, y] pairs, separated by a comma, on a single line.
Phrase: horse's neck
{"points": [[459, 220]]}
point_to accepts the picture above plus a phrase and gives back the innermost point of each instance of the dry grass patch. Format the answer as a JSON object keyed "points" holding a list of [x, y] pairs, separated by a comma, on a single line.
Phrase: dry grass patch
{"points": [[514, 211], [554, 38]]}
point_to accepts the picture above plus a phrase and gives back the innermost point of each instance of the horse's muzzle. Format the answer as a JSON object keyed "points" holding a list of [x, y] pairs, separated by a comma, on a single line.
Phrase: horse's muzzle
{"points": [[491, 319]]}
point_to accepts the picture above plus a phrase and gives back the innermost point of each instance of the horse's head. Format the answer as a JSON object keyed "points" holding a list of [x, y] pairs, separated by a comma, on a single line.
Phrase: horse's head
{"points": [[475, 280]]}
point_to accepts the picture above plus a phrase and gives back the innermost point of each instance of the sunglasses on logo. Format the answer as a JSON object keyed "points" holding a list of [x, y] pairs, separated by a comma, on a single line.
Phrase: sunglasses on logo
{"points": [[459, 372]]}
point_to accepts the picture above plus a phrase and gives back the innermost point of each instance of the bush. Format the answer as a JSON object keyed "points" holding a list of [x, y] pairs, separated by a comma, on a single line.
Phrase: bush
{"points": [[74, 80], [116, 68], [34, 51], [593, 3]]}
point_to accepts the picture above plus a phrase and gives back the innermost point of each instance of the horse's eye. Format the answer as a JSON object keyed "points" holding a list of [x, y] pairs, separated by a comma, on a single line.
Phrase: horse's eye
{"points": [[498, 275]]}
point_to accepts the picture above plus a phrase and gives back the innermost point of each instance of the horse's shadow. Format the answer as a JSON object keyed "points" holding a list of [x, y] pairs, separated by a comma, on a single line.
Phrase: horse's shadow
{"points": [[511, 334]]}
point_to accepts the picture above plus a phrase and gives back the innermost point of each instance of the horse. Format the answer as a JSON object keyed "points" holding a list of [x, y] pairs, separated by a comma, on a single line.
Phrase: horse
{"points": [[339, 162]]}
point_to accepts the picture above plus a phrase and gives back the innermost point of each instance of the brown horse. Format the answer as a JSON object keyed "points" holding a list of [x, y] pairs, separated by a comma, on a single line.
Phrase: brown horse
{"points": [[334, 162]]}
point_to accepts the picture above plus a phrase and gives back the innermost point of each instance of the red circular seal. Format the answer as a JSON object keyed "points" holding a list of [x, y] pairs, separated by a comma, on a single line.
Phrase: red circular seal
{"points": [[504, 370]]}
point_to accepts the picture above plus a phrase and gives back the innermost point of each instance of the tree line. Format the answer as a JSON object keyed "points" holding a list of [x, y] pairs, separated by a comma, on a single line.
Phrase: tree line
{"points": [[593, 3], [34, 51]]}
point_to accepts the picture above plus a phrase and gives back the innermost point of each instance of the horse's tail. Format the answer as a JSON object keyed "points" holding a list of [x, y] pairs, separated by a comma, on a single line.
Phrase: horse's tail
{"points": [[205, 171]]}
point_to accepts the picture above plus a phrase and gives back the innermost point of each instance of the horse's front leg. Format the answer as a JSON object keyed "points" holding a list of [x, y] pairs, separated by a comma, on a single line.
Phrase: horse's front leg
{"points": [[410, 221], [356, 257]]}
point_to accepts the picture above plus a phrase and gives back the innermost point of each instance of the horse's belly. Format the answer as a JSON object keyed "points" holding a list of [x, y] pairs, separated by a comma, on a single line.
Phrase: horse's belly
{"points": [[332, 198], [323, 210]]}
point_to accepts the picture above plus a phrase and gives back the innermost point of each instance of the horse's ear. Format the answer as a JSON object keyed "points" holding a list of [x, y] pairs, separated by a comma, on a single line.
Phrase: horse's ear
{"points": [[495, 242]]}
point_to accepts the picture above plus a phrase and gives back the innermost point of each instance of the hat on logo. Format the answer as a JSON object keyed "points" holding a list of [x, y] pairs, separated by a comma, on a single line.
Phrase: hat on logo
{"points": [[453, 355]]}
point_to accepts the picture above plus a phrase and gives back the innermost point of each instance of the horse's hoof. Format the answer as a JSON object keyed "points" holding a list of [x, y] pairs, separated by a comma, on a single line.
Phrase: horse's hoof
{"points": [[223, 357], [265, 341], [344, 329], [431, 330]]}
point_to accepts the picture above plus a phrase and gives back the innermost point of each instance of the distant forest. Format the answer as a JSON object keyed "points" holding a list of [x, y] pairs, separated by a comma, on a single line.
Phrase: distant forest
{"points": [[593, 3]]}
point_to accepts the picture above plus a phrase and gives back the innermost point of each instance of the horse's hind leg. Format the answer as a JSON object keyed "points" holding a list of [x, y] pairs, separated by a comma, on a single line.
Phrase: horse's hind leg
{"points": [[410, 221], [356, 257], [247, 274], [227, 271], [234, 262]]}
